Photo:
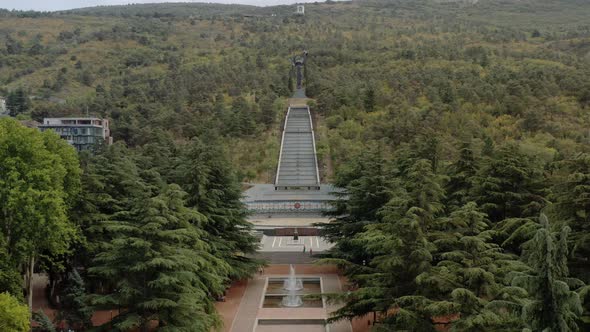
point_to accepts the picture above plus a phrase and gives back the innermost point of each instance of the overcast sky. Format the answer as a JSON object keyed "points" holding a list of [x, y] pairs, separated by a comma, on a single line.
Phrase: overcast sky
{"points": [[49, 5]]}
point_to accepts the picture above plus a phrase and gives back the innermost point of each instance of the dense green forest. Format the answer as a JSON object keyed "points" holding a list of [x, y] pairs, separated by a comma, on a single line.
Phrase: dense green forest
{"points": [[458, 129], [161, 250]]}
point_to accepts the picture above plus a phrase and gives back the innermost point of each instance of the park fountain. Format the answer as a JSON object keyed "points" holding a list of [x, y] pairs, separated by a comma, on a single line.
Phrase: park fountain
{"points": [[292, 284]]}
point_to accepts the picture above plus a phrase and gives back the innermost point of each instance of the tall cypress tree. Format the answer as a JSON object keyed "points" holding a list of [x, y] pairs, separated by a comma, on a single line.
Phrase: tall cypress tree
{"points": [[572, 204], [470, 271], [215, 192], [17, 102], [461, 178], [511, 185], [267, 110], [75, 310], [554, 306], [110, 186], [367, 187], [571, 195], [408, 223], [400, 250], [161, 267], [369, 100]]}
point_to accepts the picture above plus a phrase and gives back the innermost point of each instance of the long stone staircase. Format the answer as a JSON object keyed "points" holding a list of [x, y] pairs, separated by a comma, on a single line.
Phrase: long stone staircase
{"points": [[296, 196], [297, 166]]}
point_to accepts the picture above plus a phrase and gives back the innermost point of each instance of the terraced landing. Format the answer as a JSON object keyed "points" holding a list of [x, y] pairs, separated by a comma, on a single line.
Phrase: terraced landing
{"points": [[297, 161]]}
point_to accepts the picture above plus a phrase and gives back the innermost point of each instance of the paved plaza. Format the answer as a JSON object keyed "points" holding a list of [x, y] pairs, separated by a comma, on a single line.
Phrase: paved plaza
{"points": [[287, 244]]}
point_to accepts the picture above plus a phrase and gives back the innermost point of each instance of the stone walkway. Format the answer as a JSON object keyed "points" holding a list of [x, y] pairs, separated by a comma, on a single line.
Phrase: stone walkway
{"points": [[246, 315], [299, 95], [228, 309], [332, 284]]}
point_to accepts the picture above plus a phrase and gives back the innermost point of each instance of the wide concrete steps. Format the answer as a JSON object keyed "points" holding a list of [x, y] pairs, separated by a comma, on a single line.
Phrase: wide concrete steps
{"points": [[297, 163]]}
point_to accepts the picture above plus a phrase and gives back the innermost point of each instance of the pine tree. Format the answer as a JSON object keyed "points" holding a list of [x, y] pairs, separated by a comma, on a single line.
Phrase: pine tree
{"points": [[369, 100], [555, 307], [17, 102], [367, 188], [572, 204], [461, 178], [110, 186], [408, 251], [44, 323], [215, 192], [161, 267], [290, 83], [260, 63], [267, 111], [425, 146], [399, 250], [510, 186], [219, 104], [74, 310], [488, 147], [571, 195], [13, 46], [243, 122], [469, 271]]}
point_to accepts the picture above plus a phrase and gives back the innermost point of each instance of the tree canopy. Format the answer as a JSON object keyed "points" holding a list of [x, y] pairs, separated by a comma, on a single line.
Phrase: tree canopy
{"points": [[14, 316], [449, 125], [38, 184]]}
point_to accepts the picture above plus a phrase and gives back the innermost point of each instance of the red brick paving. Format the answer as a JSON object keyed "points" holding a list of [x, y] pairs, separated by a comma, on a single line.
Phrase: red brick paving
{"points": [[228, 309], [362, 324]]}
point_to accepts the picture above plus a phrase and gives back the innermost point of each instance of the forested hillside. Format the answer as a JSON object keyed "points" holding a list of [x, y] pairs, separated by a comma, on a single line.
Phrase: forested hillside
{"points": [[172, 75], [186, 68], [458, 129]]}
